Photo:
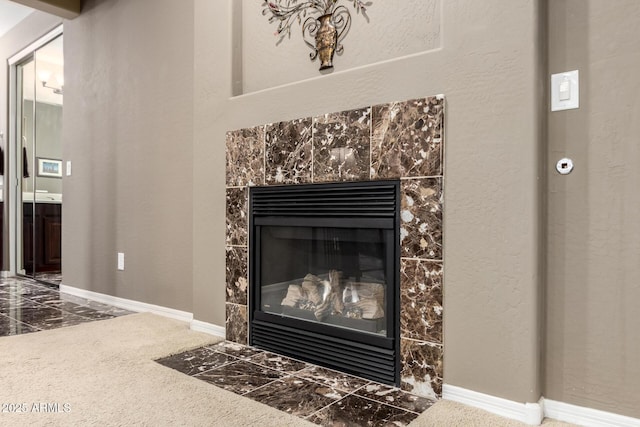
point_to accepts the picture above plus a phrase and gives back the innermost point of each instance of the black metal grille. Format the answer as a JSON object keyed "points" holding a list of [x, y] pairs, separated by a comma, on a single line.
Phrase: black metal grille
{"points": [[374, 363], [369, 199]]}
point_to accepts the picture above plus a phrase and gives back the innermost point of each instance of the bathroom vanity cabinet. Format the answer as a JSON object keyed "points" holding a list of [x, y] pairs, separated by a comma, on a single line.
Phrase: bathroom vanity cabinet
{"points": [[1, 234], [42, 237]]}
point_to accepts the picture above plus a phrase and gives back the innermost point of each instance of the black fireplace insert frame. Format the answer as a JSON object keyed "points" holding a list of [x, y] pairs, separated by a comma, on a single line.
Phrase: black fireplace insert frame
{"points": [[365, 205]]}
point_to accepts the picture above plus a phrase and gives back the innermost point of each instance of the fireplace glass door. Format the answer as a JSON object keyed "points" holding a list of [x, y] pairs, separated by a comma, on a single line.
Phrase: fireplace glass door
{"points": [[329, 275], [324, 275]]}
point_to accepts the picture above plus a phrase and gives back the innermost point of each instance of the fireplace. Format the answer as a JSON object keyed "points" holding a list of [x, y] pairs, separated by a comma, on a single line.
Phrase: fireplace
{"points": [[393, 141], [324, 275]]}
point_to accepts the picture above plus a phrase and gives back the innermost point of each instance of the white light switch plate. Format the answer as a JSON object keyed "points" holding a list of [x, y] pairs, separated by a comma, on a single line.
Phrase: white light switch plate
{"points": [[565, 91], [68, 167], [120, 261]]}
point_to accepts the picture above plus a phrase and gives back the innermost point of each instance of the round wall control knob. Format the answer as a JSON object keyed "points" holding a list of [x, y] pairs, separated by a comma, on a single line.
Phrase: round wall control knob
{"points": [[564, 166]]}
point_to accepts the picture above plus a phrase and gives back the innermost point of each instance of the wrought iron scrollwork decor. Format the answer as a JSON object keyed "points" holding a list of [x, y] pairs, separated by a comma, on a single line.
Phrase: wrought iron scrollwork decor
{"points": [[326, 23]]}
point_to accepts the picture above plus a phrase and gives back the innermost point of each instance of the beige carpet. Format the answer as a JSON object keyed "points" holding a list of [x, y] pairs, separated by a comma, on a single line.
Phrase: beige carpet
{"points": [[103, 374]]}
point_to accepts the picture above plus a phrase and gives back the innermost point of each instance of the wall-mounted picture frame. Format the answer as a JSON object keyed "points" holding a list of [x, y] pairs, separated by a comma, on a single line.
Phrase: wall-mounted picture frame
{"points": [[50, 168]]}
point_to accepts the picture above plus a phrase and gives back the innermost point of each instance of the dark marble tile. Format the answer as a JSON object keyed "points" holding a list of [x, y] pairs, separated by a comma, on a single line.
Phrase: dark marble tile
{"points": [[278, 362], [245, 157], [341, 144], [10, 281], [295, 396], [13, 303], [240, 377], [10, 326], [237, 216], [421, 300], [108, 309], [334, 379], [236, 323], [9, 292], [395, 397], [355, 411], [236, 276], [236, 350], [421, 368], [52, 278], [45, 307], [91, 314], [77, 309], [30, 291], [407, 138], [288, 152], [49, 318], [43, 296], [75, 299], [421, 218], [196, 361]]}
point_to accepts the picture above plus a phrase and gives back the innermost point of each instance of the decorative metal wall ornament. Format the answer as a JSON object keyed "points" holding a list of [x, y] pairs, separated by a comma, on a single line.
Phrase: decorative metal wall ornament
{"points": [[325, 25]]}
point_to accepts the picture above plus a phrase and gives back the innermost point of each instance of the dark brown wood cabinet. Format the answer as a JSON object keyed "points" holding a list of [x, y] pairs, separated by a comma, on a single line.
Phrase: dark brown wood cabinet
{"points": [[2, 234], [42, 237]]}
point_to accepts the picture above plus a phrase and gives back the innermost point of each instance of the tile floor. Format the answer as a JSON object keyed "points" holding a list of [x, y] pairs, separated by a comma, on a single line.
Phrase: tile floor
{"points": [[51, 278], [28, 306], [320, 395]]}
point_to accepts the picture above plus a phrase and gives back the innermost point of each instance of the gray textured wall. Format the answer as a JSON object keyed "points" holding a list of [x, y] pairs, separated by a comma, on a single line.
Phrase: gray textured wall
{"points": [[128, 129], [593, 334], [488, 69]]}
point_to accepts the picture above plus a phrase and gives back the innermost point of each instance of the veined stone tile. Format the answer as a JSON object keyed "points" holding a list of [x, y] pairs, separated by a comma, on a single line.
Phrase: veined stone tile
{"points": [[278, 362], [296, 396], [236, 350], [10, 326], [237, 213], [196, 361], [245, 157], [357, 411], [341, 144], [421, 300], [421, 368], [288, 152], [395, 397], [240, 377], [331, 378], [386, 151], [47, 317], [407, 138], [421, 218], [236, 324], [237, 275]]}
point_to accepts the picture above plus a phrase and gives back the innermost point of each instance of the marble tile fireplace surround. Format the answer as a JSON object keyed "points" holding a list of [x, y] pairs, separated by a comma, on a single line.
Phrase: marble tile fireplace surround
{"points": [[398, 140]]}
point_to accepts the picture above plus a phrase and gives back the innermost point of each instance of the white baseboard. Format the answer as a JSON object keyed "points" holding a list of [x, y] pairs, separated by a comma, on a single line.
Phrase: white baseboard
{"points": [[528, 413], [127, 304], [208, 328], [586, 416]]}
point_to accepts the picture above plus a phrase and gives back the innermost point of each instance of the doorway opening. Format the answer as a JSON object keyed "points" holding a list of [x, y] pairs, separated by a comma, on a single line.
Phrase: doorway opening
{"points": [[37, 90]]}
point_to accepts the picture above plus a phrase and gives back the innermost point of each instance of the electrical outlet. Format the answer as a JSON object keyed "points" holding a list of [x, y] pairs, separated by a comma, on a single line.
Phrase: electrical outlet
{"points": [[120, 260]]}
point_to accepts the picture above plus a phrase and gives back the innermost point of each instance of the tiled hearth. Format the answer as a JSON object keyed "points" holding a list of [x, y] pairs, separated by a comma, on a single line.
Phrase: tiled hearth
{"points": [[317, 394], [399, 140]]}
